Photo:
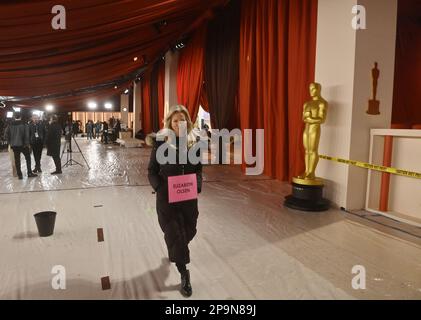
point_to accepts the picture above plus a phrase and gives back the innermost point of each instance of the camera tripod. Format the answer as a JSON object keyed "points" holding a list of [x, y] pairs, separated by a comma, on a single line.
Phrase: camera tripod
{"points": [[68, 147]]}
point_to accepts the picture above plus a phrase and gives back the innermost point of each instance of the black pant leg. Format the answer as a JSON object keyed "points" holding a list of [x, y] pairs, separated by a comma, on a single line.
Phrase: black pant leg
{"points": [[27, 155], [16, 152], [190, 215], [39, 155], [37, 150], [57, 162], [34, 151]]}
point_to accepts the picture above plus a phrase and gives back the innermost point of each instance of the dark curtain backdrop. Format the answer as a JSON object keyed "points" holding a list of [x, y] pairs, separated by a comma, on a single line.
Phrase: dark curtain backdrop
{"points": [[157, 95], [221, 64], [204, 99], [190, 73], [154, 98], [131, 92], [407, 87], [277, 63], [146, 104], [161, 93]]}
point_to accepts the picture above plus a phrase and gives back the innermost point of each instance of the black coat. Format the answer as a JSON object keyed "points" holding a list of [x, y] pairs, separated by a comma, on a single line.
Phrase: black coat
{"points": [[53, 141], [17, 134], [42, 133], [177, 220]]}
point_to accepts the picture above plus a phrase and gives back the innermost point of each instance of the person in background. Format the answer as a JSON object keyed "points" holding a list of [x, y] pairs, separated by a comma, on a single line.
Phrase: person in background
{"points": [[112, 122], [97, 129], [10, 150], [17, 135], [53, 142], [105, 132], [75, 128], [89, 130], [37, 135], [117, 129]]}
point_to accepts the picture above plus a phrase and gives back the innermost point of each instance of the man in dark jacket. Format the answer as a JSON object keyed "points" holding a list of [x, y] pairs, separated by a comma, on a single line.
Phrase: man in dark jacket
{"points": [[53, 143], [105, 132], [18, 138], [37, 136], [117, 130], [89, 130]]}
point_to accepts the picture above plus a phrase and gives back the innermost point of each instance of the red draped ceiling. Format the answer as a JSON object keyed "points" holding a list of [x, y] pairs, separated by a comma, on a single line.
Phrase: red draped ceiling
{"points": [[277, 62], [98, 46]]}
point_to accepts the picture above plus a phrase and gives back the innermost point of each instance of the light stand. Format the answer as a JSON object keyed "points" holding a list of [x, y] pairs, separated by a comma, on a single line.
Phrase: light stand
{"points": [[68, 147]]}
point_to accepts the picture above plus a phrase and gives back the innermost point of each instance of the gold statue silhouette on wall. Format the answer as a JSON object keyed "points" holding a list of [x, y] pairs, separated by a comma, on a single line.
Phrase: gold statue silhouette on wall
{"points": [[373, 104], [314, 115]]}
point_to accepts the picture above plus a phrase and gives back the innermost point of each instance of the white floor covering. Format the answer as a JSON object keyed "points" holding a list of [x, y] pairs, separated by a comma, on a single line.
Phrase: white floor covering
{"points": [[248, 245]]}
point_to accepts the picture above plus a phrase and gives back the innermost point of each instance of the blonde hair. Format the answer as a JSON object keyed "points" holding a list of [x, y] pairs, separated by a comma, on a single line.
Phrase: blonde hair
{"points": [[178, 109], [191, 137]]}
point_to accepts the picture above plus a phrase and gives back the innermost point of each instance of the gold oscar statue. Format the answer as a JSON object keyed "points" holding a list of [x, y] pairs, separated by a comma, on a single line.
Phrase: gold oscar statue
{"points": [[307, 189], [314, 115], [373, 104]]}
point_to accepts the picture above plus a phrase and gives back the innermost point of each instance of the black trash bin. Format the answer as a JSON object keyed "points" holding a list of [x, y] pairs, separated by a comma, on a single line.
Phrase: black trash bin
{"points": [[45, 222]]}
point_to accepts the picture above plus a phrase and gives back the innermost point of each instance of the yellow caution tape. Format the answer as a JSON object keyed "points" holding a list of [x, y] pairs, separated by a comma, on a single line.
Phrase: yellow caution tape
{"points": [[365, 165]]}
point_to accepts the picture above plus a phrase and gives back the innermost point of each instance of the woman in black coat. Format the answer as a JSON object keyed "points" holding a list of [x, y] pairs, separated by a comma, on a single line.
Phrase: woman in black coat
{"points": [[53, 143], [177, 220]]}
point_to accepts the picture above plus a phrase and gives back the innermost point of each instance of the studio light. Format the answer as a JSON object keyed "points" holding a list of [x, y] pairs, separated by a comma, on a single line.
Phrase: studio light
{"points": [[108, 105], [115, 87], [92, 105], [126, 91], [124, 109], [37, 113], [49, 107], [179, 46], [17, 109], [135, 59], [9, 114]]}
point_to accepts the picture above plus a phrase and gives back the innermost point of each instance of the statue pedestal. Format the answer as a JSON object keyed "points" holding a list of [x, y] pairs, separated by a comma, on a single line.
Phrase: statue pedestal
{"points": [[307, 197], [373, 107]]}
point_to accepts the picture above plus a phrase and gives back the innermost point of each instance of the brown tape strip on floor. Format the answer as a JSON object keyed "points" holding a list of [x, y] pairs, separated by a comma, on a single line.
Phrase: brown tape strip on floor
{"points": [[100, 233], [105, 283]]}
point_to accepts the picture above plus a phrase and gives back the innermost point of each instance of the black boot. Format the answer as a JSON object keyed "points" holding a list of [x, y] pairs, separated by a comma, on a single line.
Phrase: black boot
{"points": [[186, 289]]}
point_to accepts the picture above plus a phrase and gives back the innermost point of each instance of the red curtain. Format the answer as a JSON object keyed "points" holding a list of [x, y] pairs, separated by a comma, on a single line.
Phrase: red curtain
{"points": [[407, 93], [161, 94], [301, 72], [146, 104], [190, 73], [277, 62]]}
